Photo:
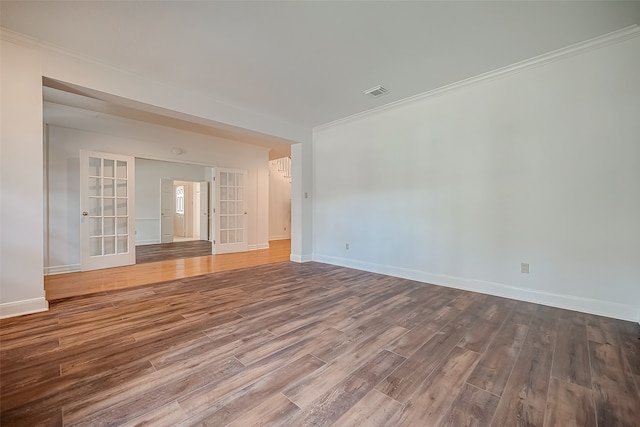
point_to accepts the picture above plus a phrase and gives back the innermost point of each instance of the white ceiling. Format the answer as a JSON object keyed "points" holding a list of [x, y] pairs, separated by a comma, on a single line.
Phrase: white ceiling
{"points": [[308, 63]]}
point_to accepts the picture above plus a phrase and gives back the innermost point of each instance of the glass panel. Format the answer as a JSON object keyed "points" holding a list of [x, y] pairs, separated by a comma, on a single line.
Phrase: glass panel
{"points": [[121, 169], [223, 208], [95, 187], [95, 246], [223, 178], [232, 222], [239, 235], [94, 167], [239, 181], [122, 225], [223, 236], [109, 168], [232, 236], [109, 206], [224, 193], [232, 179], [95, 226], [109, 245], [121, 189], [239, 209], [123, 244], [232, 194], [95, 206], [240, 194], [109, 226], [223, 222], [122, 207], [232, 207], [109, 187], [240, 221]]}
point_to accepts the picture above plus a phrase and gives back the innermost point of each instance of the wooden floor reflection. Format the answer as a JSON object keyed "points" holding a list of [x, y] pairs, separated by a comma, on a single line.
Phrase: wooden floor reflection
{"points": [[83, 283]]}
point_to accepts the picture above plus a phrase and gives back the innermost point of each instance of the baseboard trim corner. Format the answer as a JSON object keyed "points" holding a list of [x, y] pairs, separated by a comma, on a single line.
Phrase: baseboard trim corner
{"points": [[301, 258], [20, 308]]}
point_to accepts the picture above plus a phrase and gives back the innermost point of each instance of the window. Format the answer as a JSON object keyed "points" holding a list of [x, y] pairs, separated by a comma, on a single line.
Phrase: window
{"points": [[180, 199]]}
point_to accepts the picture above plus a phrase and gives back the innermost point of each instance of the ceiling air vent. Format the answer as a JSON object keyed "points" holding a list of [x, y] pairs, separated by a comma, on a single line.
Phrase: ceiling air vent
{"points": [[376, 91]]}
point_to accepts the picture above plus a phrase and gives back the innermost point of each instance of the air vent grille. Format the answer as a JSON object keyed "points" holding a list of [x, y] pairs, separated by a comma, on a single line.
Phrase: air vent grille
{"points": [[376, 91]]}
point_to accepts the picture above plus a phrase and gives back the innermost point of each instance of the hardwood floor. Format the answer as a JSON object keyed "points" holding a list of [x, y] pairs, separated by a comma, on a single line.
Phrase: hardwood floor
{"points": [[314, 345], [73, 284], [175, 250]]}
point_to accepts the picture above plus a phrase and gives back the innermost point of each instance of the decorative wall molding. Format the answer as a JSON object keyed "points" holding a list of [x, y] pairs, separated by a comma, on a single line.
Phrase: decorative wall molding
{"points": [[555, 55], [60, 269], [569, 302], [19, 308]]}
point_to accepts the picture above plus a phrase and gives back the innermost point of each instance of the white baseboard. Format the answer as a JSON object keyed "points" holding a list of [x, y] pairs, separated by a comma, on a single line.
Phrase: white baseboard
{"points": [[569, 302], [258, 246], [147, 242], [60, 269], [280, 237], [19, 308], [301, 258]]}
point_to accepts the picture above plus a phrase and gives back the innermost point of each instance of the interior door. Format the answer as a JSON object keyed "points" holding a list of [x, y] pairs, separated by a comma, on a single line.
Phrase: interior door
{"points": [[107, 203], [231, 212], [167, 199], [204, 210]]}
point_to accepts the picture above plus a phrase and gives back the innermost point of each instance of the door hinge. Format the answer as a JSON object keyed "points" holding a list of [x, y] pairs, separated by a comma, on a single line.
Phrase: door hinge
{"points": [[214, 242], [214, 210]]}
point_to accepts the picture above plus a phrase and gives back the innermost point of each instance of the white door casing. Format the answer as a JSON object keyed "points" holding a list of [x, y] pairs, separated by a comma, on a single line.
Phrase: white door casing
{"points": [[167, 200], [204, 210], [231, 224], [107, 204]]}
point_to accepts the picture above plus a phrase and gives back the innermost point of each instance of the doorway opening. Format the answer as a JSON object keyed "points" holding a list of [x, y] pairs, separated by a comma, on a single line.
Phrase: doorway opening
{"points": [[188, 224]]}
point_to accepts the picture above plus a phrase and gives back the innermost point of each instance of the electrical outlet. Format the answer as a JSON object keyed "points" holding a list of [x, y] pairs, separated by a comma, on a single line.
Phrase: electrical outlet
{"points": [[346, 246], [524, 268]]}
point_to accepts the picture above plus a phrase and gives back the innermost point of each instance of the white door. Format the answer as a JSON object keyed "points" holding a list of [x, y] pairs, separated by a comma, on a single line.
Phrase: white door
{"points": [[167, 198], [230, 212], [107, 205], [204, 210]]}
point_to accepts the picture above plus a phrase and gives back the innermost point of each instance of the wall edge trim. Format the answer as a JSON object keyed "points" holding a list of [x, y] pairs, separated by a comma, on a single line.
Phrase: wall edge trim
{"points": [[568, 302]]}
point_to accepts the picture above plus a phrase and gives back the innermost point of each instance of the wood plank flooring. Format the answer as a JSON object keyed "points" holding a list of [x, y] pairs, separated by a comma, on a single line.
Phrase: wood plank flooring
{"points": [[311, 344], [175, 250], [88, 282]]}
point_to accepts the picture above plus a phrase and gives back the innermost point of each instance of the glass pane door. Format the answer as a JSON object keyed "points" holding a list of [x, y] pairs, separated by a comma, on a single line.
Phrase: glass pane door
{"points": [[231, 215], [107, 218]]}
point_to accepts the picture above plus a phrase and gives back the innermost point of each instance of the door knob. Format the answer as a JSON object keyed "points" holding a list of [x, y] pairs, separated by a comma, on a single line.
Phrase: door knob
{"points": [[85, 213]]}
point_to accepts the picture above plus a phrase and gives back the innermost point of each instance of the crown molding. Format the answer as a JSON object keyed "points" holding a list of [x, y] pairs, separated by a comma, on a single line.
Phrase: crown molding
{"points": [[613, 37], [18, 38]]}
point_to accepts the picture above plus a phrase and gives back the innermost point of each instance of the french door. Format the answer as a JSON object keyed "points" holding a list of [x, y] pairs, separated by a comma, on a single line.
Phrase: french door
{"points": [[231, 225], [107, 210]]}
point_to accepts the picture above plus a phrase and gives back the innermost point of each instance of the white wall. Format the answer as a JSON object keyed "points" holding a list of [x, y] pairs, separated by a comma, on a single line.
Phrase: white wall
{"points": [[279, 204], [302, 164], [143, 140], [539, 166], [148, 175], [21, 195]]}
